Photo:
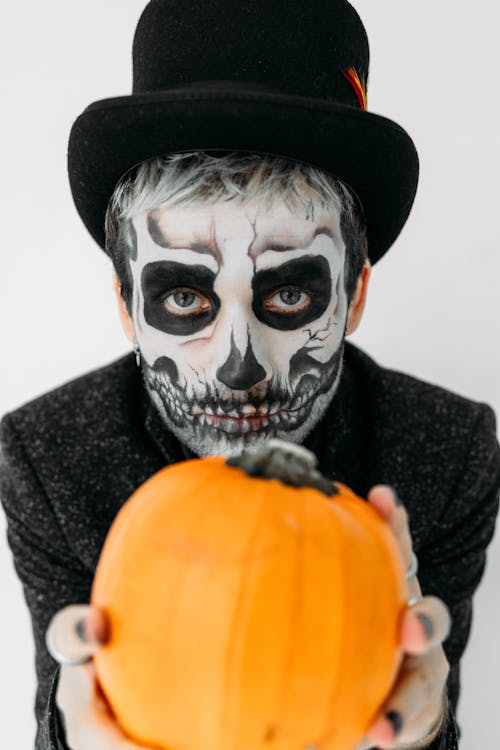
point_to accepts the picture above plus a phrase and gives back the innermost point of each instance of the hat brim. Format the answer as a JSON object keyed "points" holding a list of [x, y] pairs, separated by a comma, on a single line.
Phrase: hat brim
{"points": [[370, 153]]}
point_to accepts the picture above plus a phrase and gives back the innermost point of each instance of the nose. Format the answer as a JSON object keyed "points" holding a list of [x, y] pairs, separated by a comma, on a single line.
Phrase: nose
{"points": [[241, 373]]}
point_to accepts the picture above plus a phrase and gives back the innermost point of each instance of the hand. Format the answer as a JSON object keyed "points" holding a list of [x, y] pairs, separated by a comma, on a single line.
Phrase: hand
{"points": [[74, 634], [412, 714]]}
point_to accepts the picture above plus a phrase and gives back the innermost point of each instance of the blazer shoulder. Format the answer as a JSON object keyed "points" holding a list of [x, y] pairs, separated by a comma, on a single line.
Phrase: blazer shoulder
{"points": [[81, 404], [428, 442], [81, 449], [410, 402]]}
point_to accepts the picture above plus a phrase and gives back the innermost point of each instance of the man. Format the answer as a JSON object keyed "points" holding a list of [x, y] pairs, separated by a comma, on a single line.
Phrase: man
{"points": [[243, 259], [248, 297]]}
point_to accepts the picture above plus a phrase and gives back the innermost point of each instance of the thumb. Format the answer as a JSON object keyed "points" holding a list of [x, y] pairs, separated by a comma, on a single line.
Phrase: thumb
{"points": [[75, 633], [364, 744]]}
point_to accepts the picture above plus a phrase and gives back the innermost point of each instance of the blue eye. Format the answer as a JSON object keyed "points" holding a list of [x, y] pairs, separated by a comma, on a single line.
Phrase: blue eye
{"points": [[185, 301], [288, 299]]}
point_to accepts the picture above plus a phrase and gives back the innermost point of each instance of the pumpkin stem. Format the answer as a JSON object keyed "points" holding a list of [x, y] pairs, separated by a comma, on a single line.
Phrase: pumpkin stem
{"points": [[289, 463]]}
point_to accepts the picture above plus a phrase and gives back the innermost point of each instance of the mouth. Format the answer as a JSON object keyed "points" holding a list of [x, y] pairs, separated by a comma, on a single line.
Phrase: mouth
{"points": [[211, 415], [240, 424], [249, 418]]}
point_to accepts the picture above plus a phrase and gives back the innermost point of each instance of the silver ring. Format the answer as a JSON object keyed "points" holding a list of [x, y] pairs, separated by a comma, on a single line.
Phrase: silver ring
{"points": [[414, 599], [63, 629], [70, 661], [413, 569]]}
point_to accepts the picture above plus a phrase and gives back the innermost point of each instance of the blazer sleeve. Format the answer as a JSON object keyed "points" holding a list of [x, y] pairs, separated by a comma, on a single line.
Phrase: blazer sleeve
{"points": [[51, 576], [452, 563]]}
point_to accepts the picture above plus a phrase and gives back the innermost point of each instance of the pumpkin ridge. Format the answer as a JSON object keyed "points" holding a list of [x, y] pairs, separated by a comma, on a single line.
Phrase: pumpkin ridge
{"points": [[347, 512], [236, 642], [367, 521], [282, 712], [176, 586], [340, 542], [224, 737]]}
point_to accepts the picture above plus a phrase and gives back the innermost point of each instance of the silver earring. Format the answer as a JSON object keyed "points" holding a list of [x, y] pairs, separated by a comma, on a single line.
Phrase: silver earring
{"points": [[137, 354]]}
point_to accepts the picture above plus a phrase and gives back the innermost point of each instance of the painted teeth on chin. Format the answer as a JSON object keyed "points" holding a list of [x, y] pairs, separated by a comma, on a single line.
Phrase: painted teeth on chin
{"points": [[283, 420], [230, 426]]}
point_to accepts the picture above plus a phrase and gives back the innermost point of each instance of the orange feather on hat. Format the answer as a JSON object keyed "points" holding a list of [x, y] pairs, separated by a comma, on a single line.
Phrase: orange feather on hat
{"points": [[358, 86]]}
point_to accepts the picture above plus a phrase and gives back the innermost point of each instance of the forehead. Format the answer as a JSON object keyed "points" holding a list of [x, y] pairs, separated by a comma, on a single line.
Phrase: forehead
{"points": [[222, 222]]}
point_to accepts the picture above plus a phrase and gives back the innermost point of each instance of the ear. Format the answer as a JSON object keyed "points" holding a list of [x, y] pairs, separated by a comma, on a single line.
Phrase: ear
{"points": [[357, 304], [125, 318]]}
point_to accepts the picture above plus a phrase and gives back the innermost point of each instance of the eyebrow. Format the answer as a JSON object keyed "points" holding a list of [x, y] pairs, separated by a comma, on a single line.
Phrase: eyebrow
{"points": [[282, 247], [208, 246]]}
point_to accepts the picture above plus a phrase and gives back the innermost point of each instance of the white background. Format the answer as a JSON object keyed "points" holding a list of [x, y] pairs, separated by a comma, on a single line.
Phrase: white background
{"points": [[433, 306]]}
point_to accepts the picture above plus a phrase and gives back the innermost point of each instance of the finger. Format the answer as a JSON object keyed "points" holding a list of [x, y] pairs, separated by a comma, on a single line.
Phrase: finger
{"points": [[88, 719], [386, 502], [75, 633], [75, 690], [102, 731], [364, 744], [415, 703], [425, 625]]}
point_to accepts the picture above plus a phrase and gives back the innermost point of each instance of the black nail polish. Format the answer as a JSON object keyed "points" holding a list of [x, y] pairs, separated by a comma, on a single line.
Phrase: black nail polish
{"points": [[427, 623], [396, 720], [397, 500], [80, 631]]}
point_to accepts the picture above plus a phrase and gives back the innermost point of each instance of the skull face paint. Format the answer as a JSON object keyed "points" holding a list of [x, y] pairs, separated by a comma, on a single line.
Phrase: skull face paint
{"points": [[240, 313]]}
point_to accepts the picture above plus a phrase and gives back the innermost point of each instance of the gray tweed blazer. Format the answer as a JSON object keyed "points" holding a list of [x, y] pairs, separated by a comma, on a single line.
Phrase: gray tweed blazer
{"points": [[72, 457]]}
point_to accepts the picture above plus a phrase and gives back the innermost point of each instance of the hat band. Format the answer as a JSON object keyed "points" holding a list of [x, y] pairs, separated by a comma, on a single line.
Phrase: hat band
{"points": [[222, 85]]}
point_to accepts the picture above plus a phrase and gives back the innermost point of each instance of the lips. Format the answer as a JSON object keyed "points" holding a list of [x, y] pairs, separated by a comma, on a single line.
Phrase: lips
{"points": [[253, 419], [236, 411], [234, 425]]}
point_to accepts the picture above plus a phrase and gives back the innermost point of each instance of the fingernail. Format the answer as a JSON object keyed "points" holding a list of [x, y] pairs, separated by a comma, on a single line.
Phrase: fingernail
{"points": [[81, 631], [427, 624], [396, 720], [397, 500]]}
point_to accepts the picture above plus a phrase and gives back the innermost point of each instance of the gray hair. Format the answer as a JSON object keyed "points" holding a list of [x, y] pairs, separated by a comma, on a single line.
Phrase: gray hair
{"points": [[195, 177]]}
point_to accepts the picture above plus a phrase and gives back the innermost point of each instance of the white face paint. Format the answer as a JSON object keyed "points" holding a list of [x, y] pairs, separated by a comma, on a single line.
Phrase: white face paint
{"points": [[240, 314]]}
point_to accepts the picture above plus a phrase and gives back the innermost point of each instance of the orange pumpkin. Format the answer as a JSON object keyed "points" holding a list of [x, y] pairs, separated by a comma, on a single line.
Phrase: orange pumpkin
{"points": [[246, 614]]}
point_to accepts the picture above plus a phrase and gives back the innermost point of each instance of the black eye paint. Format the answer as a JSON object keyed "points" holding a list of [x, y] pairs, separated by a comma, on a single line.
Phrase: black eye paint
{"points": [[161, 277], [310, 273]]}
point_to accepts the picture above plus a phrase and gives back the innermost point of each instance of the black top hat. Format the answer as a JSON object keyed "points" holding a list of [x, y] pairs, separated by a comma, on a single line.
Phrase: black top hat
{"points": [[283, 77]]}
